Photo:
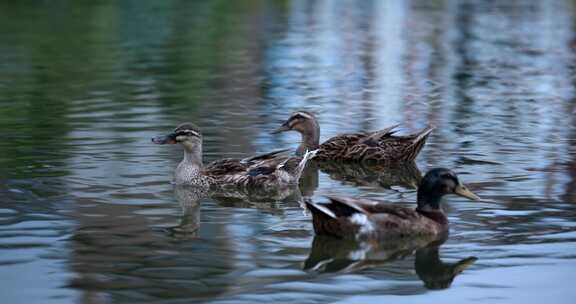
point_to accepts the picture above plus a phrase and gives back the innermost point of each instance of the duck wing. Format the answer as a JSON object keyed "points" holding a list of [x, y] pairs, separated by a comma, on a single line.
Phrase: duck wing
{"points": [[231, 166], [225, 166], [405, 148], [274, 156], [337, 147], [345, 217], [372, 207], [373, 138], [379, 146]]}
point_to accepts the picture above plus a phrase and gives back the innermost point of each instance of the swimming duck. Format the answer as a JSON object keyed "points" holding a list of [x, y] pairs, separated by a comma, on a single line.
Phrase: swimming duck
{"points": [[264, 171], [379, 146], [353, 218]]}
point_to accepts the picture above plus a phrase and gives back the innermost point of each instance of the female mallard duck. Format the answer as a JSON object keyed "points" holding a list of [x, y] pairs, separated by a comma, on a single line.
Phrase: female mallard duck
{"points": [[365, 219], [266, 171], [380, 146]]}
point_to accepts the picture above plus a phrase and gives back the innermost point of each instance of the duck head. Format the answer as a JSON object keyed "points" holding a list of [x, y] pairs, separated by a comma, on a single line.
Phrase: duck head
{"points": [[301, 121], [186, 134], [306, 124], [437, 183]]}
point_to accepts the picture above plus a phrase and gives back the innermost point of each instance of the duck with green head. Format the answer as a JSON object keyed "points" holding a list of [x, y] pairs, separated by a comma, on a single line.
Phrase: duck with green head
{"points": [[345, 217]]}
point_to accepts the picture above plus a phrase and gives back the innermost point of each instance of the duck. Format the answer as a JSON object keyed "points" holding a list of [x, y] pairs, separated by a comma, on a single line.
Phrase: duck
{"points": [[381, 146], [267, 171], [363, 219]]}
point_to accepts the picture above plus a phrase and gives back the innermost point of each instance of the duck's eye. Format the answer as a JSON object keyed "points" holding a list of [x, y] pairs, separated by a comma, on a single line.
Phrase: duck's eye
{"points": [[447, 189], [296, 117], [448, 175]]}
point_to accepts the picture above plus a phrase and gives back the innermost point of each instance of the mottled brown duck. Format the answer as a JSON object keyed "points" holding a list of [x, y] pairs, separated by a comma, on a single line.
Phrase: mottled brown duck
{"points": [[360, 219], [265, 171], [382, 146]]}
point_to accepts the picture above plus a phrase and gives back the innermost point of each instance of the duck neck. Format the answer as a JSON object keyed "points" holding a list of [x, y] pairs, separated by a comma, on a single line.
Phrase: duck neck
{"points": [[429, 206], [428, 200], [310, 139], [193, 159], [190, 168]]}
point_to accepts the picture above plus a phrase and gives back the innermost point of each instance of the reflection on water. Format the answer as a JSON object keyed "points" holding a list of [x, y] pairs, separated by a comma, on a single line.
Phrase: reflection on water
{"points": [[384, 176], [347, 256], [189, 199], [87, 213], [435, 273]]}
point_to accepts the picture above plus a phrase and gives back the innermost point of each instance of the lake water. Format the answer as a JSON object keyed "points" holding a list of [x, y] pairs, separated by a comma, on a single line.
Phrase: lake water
{"points": [[87, 211]]}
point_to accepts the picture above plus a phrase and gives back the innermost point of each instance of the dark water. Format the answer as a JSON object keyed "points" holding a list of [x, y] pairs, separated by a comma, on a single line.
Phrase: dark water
{"points": [[87, 213]]}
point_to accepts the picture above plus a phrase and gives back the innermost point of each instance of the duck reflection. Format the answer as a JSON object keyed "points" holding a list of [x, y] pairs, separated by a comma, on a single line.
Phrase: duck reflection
{"points": [[270, 202], [332, 255], [309, 180], [373, 174], [189, 200], [433, 271]]}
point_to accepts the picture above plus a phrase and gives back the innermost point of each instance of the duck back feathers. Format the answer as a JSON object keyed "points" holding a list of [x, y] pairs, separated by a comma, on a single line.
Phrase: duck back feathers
{"points": [[379, 146], [269, 170]]}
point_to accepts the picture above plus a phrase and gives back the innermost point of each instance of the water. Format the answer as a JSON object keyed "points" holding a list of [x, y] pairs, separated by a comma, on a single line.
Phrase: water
{"points": [[87, 213]]}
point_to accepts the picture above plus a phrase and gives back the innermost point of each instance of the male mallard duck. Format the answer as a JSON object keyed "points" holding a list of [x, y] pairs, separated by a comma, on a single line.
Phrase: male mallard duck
{"points": [[380, 146], [366, 219], [265, 171]]}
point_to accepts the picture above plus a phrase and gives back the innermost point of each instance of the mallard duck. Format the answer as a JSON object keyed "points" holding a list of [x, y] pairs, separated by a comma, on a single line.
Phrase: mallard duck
{"points": [[345, 217], [379, 146], [264, 171]]}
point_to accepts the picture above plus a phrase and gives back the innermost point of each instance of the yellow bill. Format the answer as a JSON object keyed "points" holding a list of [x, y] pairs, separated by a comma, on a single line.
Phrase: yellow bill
{"points": [[463, 191]]}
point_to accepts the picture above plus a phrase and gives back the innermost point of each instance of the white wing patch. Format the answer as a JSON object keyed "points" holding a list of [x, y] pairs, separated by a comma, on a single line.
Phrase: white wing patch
{"points": [[362, 221]]}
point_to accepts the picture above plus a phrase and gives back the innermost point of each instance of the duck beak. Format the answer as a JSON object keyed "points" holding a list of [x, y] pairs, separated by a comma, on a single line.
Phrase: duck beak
{"points": [[463, 191], [165, 139], [283, 128]]}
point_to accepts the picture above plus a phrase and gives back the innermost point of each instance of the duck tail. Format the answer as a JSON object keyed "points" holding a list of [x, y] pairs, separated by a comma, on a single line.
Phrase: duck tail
{"points": [[417, 143], [319, 210], [381, 134], [324, 220], [300, 168]]}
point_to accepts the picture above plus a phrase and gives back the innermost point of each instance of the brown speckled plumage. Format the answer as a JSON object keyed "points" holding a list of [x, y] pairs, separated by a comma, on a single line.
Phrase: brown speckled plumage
{"points": [[380, 146], [264, 171]]}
